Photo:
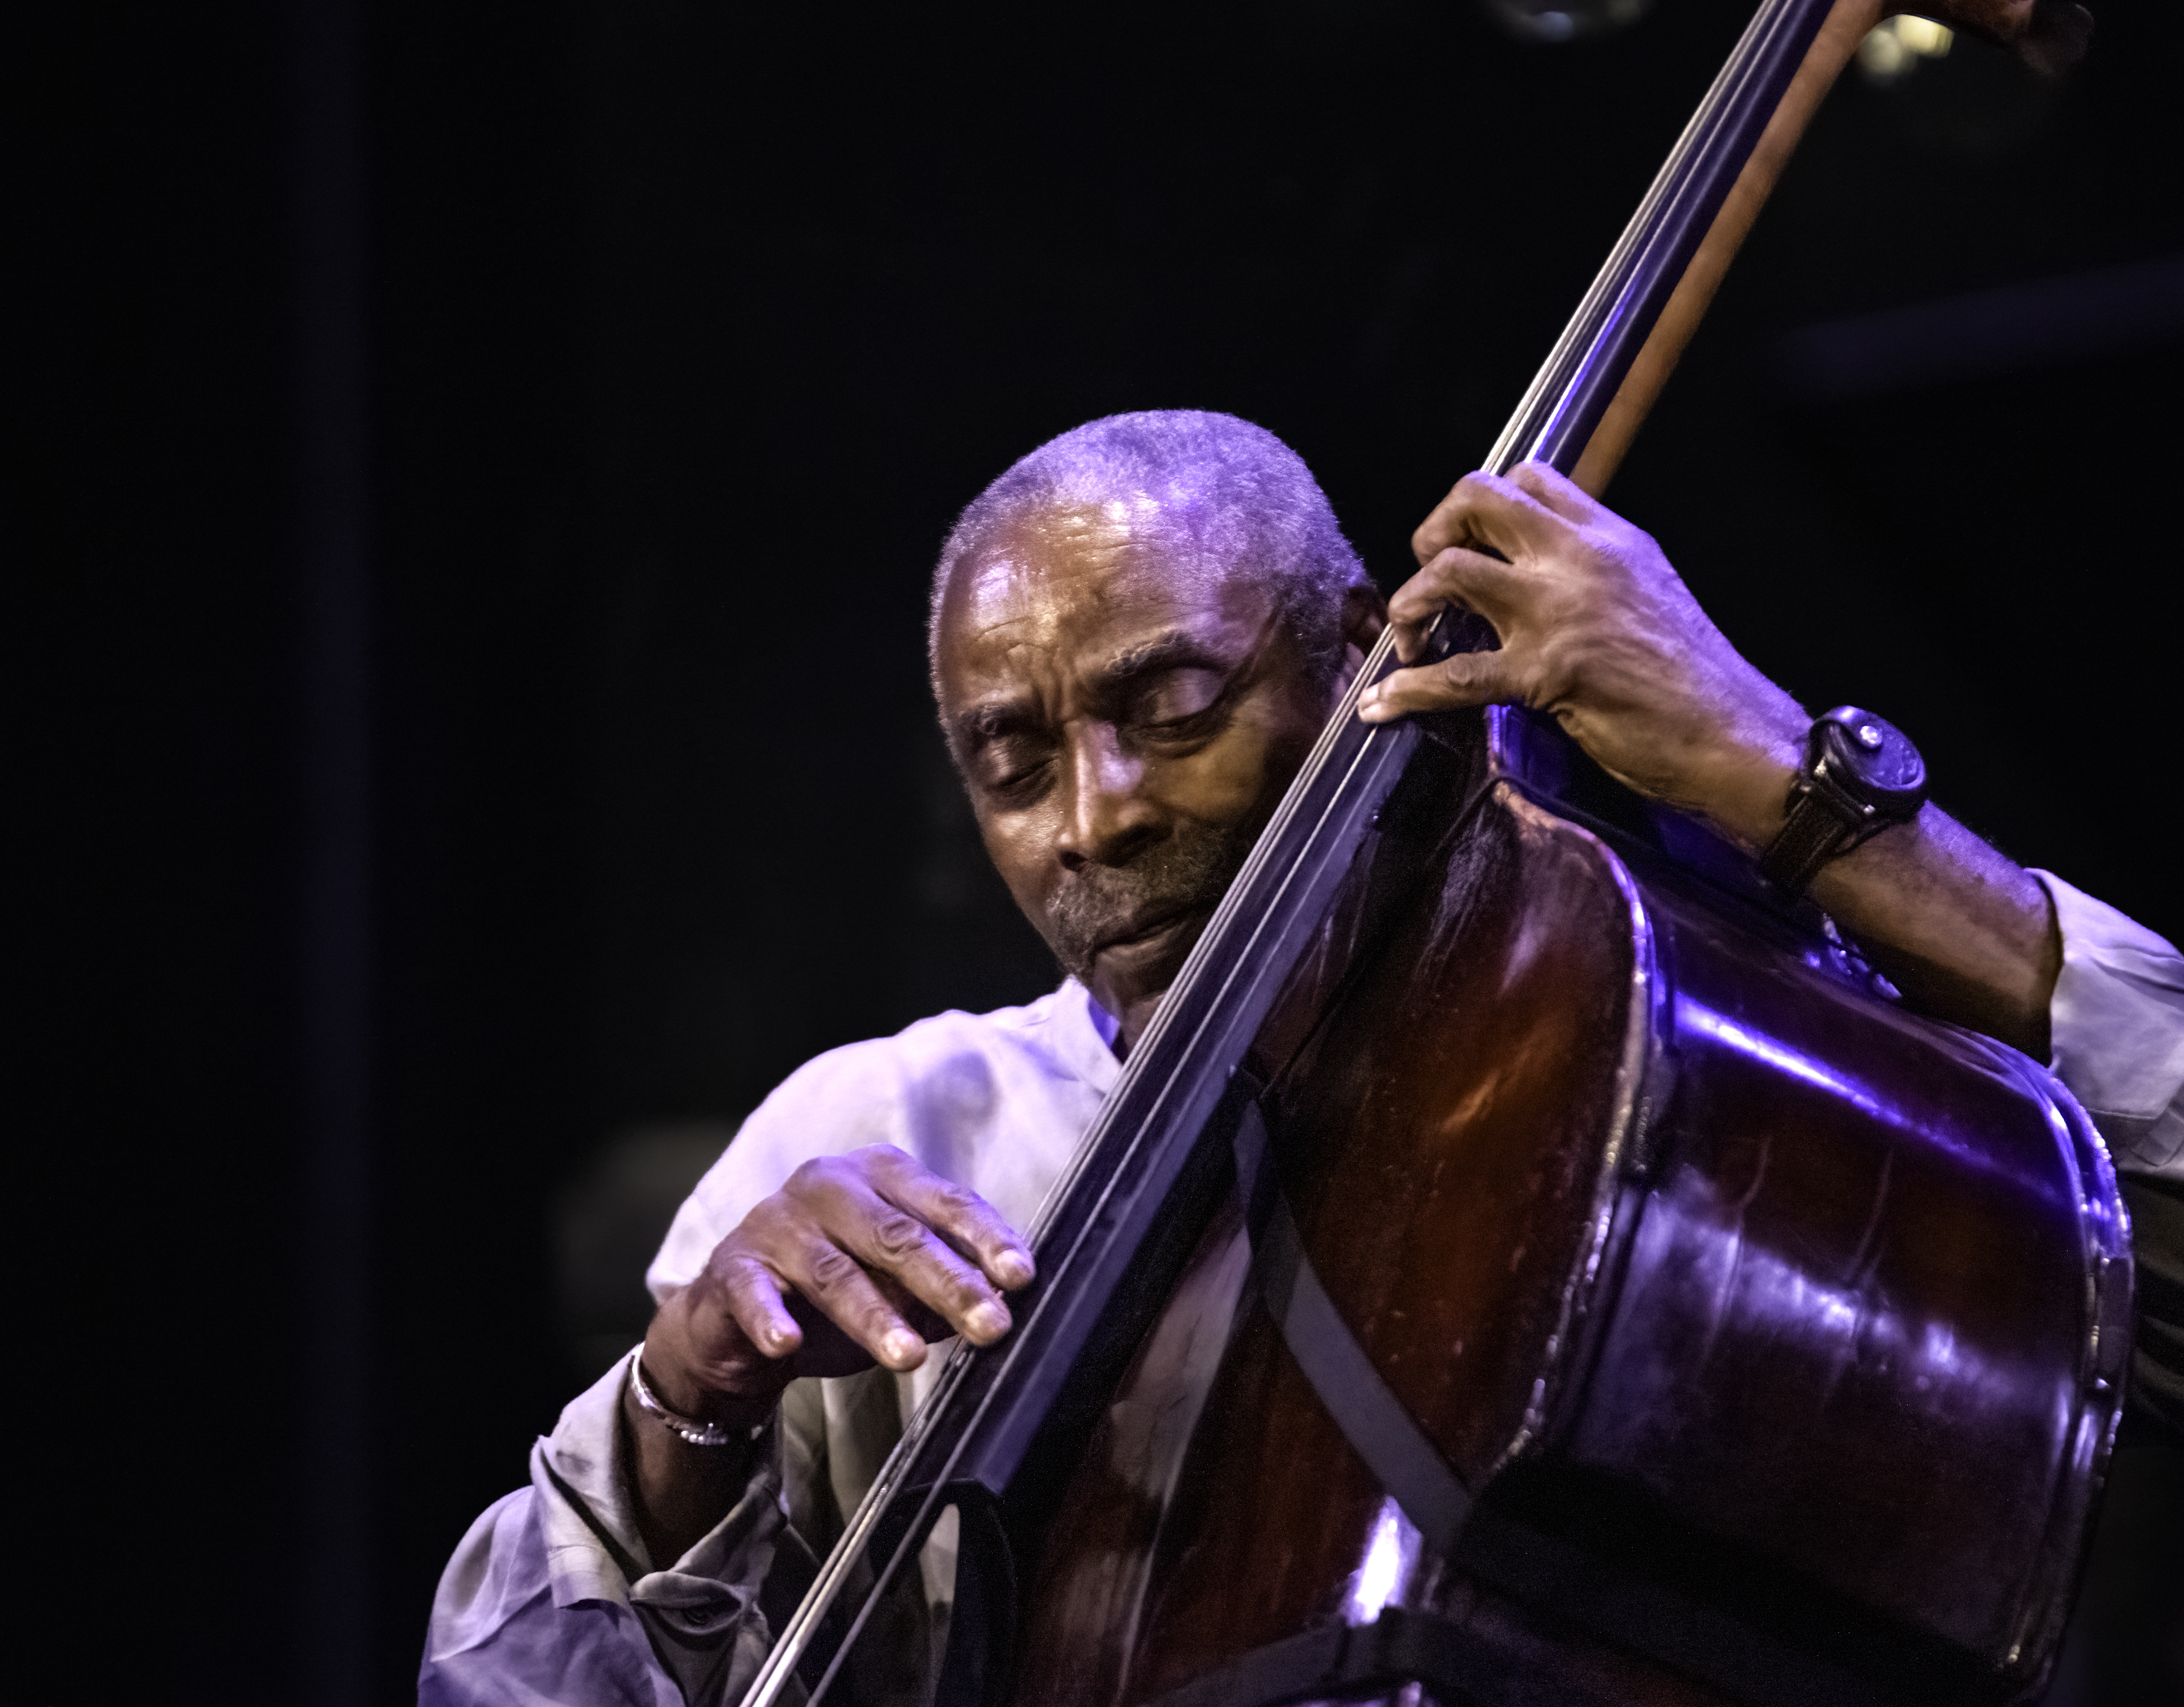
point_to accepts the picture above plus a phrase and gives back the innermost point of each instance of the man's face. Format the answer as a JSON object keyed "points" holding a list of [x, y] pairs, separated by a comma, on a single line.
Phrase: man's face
{"points": [[1126, 721]]}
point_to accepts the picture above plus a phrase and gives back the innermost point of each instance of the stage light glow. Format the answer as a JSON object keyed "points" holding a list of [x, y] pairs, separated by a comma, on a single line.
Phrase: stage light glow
{"points": [[1892, 50], [1388, 1556], [1924, 36], [1748, 1040]]}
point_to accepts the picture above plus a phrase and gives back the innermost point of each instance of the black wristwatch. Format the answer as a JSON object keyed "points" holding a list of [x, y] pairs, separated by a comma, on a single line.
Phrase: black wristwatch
{"points": [[1860, 775]]}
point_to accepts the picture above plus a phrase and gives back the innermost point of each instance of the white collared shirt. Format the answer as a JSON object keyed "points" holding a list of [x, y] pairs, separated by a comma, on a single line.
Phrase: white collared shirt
{"points": [[550, 1596]]}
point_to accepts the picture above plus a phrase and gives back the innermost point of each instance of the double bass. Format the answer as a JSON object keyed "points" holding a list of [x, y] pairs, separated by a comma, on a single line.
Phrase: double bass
{"points": [[1526, 1258]]}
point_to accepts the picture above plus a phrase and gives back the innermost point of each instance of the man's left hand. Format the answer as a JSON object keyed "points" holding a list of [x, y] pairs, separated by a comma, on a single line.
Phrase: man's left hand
{"points": [[1597, 628]]}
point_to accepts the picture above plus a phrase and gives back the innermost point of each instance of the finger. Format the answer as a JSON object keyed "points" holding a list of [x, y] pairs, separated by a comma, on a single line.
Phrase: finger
{"points": [[1443, 526], [1471, 580], [928, 1323], [1469, 678], [904, 1254], [894, 1245], [1484, 509], [835, 1281], [838, 1200], [753, 1300], [1555, 491], [959, 1215]]}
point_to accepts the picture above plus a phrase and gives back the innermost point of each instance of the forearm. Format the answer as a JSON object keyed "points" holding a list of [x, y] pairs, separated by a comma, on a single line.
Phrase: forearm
{"points": [[1965, 933], [682, 1491]]}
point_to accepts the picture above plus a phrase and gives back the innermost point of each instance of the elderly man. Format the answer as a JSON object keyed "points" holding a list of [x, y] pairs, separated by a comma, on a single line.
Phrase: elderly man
{"points": [[1137, 631]]}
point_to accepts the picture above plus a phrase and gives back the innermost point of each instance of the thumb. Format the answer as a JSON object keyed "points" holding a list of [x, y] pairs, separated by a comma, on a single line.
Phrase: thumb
{"points": [[1467, 678]]}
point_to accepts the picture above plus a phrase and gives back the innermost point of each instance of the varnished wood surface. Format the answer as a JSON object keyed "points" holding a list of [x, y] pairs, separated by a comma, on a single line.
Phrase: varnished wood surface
{"points": [[1455, 1208], [1838, 1331]]}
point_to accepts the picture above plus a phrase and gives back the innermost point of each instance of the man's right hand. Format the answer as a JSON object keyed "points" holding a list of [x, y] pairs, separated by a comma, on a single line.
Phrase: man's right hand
{"points": [[858, 1258]]}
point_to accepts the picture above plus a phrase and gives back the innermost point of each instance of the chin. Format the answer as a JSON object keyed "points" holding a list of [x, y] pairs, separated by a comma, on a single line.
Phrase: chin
{"points": [[1136, 975]]}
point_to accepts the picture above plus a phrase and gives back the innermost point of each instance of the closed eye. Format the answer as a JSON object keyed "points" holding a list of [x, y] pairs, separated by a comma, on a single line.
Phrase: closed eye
{"points": [[1178, 695], [1185, 705], [1014, 766]]}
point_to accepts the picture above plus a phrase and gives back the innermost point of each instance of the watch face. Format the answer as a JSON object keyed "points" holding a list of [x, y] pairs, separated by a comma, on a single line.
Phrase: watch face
{"points": [[1872, 758]]}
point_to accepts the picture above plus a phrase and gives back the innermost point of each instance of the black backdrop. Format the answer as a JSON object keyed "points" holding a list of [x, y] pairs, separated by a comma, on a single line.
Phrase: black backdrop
{"points": [[470, 477]]}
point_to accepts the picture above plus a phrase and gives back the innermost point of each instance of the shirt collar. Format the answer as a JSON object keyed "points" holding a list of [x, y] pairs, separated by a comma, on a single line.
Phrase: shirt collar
{"points": [[1084, 1036]]}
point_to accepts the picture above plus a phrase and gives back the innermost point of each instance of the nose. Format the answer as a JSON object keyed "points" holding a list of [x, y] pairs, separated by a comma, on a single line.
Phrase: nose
{"points": [[1107, 816]]}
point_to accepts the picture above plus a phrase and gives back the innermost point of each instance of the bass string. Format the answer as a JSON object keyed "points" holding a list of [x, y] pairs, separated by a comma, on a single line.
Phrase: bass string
{"points": [[1741, 80], [1548, 397]]}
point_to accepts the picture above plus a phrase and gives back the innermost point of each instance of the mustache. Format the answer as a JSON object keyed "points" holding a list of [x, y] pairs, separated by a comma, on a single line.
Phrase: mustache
{"points": [[1189, 872]]}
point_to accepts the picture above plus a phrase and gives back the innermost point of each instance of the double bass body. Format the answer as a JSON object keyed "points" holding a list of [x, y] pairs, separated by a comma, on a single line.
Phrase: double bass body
{"points": [[1772, 1335]]}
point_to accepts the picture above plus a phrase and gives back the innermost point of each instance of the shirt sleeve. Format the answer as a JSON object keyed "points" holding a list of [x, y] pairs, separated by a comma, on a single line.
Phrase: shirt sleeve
{"points": [[838, 1102], [500, 1638], [2116, 1026], [2116, 1022], [550, 1597]]}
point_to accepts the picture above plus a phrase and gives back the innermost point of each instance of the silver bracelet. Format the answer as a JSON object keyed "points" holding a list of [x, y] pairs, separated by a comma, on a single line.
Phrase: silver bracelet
{"points": [[692, 1432]]}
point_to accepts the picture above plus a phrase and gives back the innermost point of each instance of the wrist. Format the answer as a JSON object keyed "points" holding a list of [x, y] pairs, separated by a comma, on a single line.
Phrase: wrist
{"points": [[688, 1383], [712, 1436], [1748, 801], [1860, 775], [1741, 783], [686, 1476], [1730, 753]]}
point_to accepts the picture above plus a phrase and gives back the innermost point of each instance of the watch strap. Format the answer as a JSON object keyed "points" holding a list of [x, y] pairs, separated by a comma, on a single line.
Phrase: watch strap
{"points": [[1805, 843], [1824, 819]]}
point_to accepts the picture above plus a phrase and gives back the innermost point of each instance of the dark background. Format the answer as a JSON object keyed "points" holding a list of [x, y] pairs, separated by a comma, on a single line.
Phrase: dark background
{"points": [[470, 478]]}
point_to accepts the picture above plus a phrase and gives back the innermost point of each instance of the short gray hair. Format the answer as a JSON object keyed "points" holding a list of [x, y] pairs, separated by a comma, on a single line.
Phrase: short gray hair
{"points": [[1228, 492]]}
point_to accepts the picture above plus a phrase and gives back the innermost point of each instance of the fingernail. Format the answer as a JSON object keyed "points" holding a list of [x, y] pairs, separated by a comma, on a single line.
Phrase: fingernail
{"points": [[988, 1320], [900, 1346], [1012, 1268]]}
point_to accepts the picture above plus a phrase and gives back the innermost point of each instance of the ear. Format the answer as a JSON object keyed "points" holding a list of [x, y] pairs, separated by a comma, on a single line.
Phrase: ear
{"points": [[1364, 614]]}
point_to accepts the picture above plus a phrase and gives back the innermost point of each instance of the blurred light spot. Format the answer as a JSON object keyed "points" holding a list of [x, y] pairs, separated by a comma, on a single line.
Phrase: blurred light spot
{"points": [[1390, 1554], [1923, 35], [1565, 20], [1891, 51], [609, 1220]]}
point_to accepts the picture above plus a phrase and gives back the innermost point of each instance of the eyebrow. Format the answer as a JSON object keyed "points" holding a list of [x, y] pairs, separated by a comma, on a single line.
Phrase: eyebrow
{"points": [[1173, 650]]}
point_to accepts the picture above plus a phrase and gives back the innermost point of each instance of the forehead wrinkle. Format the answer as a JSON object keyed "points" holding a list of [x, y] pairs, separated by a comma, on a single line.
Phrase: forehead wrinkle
{"points": [[1041, 598], [1061, 581]]}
